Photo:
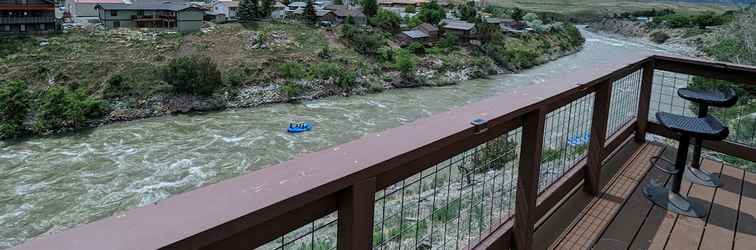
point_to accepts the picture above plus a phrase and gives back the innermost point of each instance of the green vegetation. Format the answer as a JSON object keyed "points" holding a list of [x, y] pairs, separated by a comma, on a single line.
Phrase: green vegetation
{"points": [[309, 12], [386, 20], [291, 89], [292, 70], [196, 75], [64, 107], [13, 107], [370, 7], [248, 10], [701, 20], [659, 37], [405, 62], [362, 39], [430, 12]]}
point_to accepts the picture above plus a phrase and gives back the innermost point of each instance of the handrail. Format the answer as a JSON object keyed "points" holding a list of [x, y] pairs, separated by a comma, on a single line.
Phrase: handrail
{"points": [[249, 210]]}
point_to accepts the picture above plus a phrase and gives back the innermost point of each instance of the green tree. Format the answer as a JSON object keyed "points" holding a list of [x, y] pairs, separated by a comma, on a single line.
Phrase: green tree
{"points": [[13, 107], [370, 7], [405, 62], [467, 11], [431, 12], [338, 2], [409, 9], [248, 10], [266, 9], [61, 107], [309, 12], [386, 20], [517, 14], [196, 75]]}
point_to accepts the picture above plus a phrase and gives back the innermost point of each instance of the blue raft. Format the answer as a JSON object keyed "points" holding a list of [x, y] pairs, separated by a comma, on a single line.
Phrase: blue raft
{"points": [[299, 127]]}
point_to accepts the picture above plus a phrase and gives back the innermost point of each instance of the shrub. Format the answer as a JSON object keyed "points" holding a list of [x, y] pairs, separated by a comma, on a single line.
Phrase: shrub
{"points": [[659, 37], [193, 75], [325, 53], [60, 107], [362, 40], [238, 76], [448, 41], [530, 17], [409, 9], [517, 14], [116, 86], [385, 54], [416, 48], [292, 71], [346, 80], [13, 107], [291, 89], [327, 70], [386, 20], [405, 63], [431, 12]]}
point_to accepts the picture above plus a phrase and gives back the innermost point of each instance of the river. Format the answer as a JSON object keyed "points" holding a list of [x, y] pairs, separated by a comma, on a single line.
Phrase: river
{"points": [[51, 183]]}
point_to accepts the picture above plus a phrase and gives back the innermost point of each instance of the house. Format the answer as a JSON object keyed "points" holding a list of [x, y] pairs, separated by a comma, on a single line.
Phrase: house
{"points": [[429, 29], [27, 16], [176, 15], [327, 16], [462, 29], [411, 36], [85, 8], [295, 6], [279, 11], [358, 17], [401, 3], [423, 33], [334, 7], [229, 9]]}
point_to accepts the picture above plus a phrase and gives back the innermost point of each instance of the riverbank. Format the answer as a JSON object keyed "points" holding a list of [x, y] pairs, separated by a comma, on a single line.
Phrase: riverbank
{"points": [[116, 75]]}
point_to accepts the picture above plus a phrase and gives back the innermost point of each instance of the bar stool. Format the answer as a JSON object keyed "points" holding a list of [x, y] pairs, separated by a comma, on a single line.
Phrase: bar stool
{"points": [[705, 98], [708, 128]]}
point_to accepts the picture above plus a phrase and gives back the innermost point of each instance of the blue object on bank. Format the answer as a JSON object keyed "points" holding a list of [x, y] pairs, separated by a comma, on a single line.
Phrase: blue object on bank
{"points": [[299, 127], [579, 140]]}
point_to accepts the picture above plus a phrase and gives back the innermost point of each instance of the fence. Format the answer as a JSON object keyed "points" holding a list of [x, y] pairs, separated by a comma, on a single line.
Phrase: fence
{"points": [[438, 183]]}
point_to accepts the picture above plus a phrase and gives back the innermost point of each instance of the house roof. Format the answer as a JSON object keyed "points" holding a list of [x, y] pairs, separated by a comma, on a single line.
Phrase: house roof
{"points": [[98, 1], [230, 3], [298, 4], [415, 34], [334, 7], [322, 12], [458, 25], [348, 12], [173, 5], [405, 2], [427, 27]]}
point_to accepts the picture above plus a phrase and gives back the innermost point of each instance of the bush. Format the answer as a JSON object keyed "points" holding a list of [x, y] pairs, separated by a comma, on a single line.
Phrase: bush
{"points": [[448, 41], [193, 75], [13, 107], [405, 63], [416, 48], [362, 40], [116, 86], [239, 76], [409, 9], [385, 54], [659, 37], [327, 70], [431, 12], [291, 89], [62, 107], [325, 53], [386, 20], [292, 71], [346, 80], [530, 17]]}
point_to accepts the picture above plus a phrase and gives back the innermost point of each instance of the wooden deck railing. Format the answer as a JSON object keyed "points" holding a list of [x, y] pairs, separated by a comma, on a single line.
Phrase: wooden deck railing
{"points": [[249, 211]]}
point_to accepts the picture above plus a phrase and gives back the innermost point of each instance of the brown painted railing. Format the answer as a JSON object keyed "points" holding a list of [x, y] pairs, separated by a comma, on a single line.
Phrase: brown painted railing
{"points": [[356, 180], [27, 20]]}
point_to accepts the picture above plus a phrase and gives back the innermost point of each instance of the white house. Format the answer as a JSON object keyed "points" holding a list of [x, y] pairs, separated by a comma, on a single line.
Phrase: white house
{"points": [[86, 8], [228, 8]]}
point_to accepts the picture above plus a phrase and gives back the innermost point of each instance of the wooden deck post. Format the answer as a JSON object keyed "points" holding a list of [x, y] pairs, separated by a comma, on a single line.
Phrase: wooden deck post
{"points": [[527, 181], [644, 101], [355, 224], [600, 118]]}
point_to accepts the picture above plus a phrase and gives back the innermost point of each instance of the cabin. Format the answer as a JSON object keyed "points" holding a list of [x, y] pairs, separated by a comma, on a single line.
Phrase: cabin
{"points": [[171, 15], [462, 29], [229, 9], [358, 17], [408, 37], [85, 8], [28, 16], [429, 29]]}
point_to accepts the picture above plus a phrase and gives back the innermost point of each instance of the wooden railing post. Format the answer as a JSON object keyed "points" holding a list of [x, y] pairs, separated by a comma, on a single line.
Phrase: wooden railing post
{"points": [[644, 102], [599, 122], [355, 223], [527, 178]]}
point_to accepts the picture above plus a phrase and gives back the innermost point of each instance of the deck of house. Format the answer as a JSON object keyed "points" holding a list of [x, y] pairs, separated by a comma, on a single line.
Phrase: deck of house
{"points": [[620, 217]]}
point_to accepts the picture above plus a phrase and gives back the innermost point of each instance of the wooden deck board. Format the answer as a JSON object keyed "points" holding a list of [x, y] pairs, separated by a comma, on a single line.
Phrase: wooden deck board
{"points": [[745, 237], [720, 226], [622, 218], [688, 230]]}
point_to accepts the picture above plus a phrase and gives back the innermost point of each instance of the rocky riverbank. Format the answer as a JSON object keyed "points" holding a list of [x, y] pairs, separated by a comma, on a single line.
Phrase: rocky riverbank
{"points": [[679, 41]]}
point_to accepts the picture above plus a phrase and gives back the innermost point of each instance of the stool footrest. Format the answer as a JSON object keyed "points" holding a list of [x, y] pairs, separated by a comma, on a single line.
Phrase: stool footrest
{"points": [[655, 160]]}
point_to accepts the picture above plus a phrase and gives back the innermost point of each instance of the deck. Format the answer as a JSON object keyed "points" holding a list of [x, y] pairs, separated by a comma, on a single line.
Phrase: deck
{"points": [[622, 218]]}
